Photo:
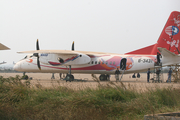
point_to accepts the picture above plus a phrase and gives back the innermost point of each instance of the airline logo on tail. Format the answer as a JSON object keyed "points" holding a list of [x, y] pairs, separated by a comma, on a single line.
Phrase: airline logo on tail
{"points": [[172, 30]]}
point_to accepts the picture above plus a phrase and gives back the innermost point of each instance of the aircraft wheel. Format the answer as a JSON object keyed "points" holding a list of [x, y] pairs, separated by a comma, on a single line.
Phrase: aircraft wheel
{"points": [[102, 77], [25, 77], [107, 77], [68, 78], [72, 77]]}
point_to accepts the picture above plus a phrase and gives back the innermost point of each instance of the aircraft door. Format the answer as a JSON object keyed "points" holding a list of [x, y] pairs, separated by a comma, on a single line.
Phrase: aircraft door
{"points": [[123, 64]]}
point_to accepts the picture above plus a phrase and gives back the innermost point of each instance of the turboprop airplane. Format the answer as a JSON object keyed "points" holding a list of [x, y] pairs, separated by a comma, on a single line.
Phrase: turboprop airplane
{"points": [[3, 47], [64, 61]]}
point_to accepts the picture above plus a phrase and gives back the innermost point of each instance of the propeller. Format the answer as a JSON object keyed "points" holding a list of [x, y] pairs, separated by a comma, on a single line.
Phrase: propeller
{"points": [[37, 55], [72, 46]]}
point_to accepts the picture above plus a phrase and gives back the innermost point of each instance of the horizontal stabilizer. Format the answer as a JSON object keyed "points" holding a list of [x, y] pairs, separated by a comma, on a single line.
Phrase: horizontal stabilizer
{"points": [[168, 57], [167, 53]]}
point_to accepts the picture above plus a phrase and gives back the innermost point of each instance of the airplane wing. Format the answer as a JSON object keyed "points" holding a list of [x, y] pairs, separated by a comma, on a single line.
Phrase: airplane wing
{"points": [[3, 47], [69, 52], [66, 57]]}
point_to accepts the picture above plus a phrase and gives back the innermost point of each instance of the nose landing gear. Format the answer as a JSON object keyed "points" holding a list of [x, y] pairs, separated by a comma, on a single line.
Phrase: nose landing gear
{"points": [[69, 77]]}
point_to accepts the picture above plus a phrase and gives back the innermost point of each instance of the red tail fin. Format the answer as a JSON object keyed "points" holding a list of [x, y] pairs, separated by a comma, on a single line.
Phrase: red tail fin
{"points": [[169, 38]]}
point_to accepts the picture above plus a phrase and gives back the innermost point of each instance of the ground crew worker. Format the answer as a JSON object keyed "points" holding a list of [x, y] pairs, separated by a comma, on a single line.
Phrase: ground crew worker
{"points": [[117, 72], [148, 74], [169, 75], [157, 73], [158, 58], [52, 76]]}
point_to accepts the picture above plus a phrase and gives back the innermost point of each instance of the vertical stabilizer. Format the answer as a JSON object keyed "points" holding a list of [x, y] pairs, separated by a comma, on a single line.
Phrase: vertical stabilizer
{"points": [[169, 38]]}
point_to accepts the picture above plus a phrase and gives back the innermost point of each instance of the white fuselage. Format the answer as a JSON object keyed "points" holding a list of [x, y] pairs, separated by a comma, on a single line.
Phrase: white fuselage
{"points": [[98, 64]]}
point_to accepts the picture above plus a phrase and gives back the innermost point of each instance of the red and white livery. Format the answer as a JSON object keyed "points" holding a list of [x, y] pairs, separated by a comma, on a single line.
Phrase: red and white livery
{"points": [[64, 61]]}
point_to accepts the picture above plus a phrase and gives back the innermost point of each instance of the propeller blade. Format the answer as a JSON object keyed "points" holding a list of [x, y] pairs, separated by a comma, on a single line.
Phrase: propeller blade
{"points": [[73, 46], [37, 55], [37, 45], [38, 63]]}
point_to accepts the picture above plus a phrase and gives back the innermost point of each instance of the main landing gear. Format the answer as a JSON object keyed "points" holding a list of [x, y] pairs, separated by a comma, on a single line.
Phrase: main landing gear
{"points": [[25, 77], [104, 77], [69, 77]]}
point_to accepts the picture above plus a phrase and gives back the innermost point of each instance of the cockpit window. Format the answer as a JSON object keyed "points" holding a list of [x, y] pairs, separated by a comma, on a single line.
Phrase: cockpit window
{"points": [[25, 57]]}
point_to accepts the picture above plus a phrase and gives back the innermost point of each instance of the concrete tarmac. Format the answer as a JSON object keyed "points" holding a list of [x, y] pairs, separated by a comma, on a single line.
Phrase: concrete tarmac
{"points": [[44, 80]]}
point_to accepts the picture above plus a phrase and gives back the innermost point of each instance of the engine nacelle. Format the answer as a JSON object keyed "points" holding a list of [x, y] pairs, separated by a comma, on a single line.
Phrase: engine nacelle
{"points": [[64, 59]]}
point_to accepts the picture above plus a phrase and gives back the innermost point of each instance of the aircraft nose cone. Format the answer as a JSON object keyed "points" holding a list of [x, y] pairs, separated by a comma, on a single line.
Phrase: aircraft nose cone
{"points": [[16, 67]]}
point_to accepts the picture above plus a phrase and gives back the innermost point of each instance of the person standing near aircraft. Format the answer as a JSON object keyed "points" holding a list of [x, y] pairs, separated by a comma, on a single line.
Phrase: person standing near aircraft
{"points": [[148, 74], [157, 73], [60, 75], [158, 58], [169, 75], [52, 76], [138, 75], [134, 75], [117, 72]]}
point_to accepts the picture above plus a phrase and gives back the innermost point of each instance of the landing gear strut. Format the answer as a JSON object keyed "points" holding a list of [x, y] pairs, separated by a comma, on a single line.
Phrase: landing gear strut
{"points": [[25, 76], [69, 77], [52, 77]]}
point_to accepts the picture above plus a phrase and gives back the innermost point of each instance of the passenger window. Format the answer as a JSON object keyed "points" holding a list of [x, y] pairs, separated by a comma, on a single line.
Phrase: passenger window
{"points": [[95, 62], [113, 63], [99, 62], [92, 62], [106, 63]]}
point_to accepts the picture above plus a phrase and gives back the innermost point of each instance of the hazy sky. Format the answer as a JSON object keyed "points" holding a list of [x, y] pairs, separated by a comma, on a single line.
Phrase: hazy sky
{"points": [[114, 26]]}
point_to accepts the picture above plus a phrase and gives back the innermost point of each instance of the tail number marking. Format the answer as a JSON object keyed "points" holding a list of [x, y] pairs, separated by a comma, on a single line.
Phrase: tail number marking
{"points": [[145, 60]]}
